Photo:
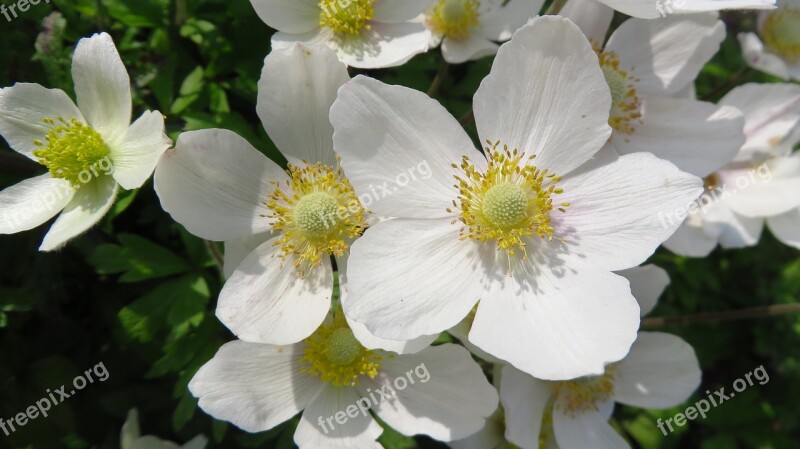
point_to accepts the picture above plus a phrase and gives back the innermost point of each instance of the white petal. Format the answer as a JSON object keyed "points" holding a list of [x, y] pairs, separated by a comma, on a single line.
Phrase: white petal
{"points": [[130, 430], [88, 205], [136, 152], [360, 431], [666, 55], [254, 386], [215, 183], [198, 442], [551, 100], [409, 278], [592, 17], [22, 108], [237, 249], [151, 442], [102, 86], [474, 47], [394, 11], [644, 9], [371, 341], [500, 24], [556, 317], [741, 232], [648, 282], [653, 9], [786, 227], [384, 45], [757, 57], [289, 16], [771, 112], [588, 430], [661, 371], [388, 134], [678, 7], [32, 202], [771, 188], [440, 392], [297, 88], [267, 301], [693, 240], [615, 215], [490, 436], [461, 332], [524, 400], [696, 136]]}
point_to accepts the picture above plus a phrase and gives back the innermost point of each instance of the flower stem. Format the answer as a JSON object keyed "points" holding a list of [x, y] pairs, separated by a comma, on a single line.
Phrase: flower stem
{"points": [[718, 317], [556, 7], [213, 251], [723, 88], [438, 79]]}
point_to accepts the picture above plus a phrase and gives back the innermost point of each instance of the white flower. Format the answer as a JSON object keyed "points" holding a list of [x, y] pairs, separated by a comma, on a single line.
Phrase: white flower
{"points": [[282, 226], [777, 51], [661, 371], [534, 239], [647, 284], [653, 9], [89, 149], [131, 437], [646, 63], [761, 183], [335, 381], [468, 29], [367, 34]]}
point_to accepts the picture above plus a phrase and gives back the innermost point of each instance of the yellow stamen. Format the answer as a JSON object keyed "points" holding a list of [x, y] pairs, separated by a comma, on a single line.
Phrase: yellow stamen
{"points": [[347, 17], [454, 18], [626, 107], [584, 394], [71, 150], [334, 355], [781, 33], [510, 201], [317, 211]]}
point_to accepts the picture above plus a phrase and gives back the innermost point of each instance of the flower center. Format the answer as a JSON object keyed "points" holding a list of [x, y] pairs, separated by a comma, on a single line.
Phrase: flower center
{"points": [[317, 211], [626, 107], [505, 205], [71, 150], [334, 355], [315, 214], [510, 201], [583, 394], [711, 182], [781, 33], [346, 16], [454, 18]]}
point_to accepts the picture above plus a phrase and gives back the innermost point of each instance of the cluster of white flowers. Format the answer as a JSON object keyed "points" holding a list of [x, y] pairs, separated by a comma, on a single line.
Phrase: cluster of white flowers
{"points": [[595, 153]]}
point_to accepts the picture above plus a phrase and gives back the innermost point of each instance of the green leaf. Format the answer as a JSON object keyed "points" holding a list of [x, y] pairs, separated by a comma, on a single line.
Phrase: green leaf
{"points": [[138, 258], [184, 412], [138, 13], [173, 303]]}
